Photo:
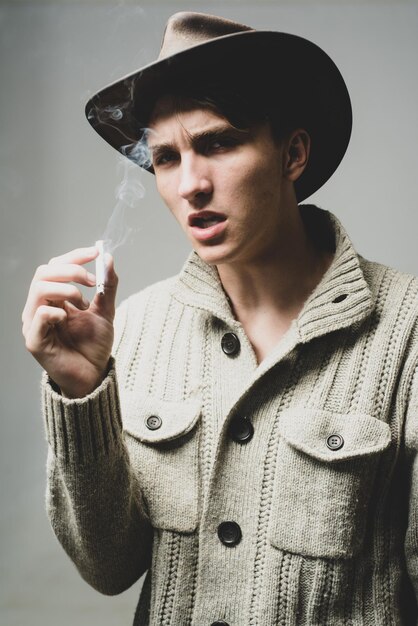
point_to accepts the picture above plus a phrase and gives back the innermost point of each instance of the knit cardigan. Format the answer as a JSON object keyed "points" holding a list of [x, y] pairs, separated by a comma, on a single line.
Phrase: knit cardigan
{"points": [[143, 472]]}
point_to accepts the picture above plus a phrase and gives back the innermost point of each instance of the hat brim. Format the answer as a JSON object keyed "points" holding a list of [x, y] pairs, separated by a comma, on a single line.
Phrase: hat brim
{"points": [[296, 71]]}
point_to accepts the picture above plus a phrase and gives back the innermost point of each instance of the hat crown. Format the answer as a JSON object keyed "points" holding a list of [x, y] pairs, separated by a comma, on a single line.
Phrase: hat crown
{"points": [[186, 29]]}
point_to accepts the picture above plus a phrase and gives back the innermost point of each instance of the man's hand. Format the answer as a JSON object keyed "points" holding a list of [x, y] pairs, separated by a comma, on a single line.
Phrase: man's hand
{"points": [[69, 337]]}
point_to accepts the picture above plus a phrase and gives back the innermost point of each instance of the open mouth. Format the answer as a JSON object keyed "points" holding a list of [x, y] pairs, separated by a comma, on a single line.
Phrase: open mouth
{"points": [[207, 222]]}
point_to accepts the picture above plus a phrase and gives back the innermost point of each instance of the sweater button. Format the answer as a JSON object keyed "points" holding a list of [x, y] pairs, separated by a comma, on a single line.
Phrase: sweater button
{"points": [[241, 429], [229, 533], [335, 442], [219, 622], [230, 344], [153, 422]]}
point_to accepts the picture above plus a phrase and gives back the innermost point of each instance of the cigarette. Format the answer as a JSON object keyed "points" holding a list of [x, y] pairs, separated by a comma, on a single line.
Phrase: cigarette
{"points": [[100, 268]]}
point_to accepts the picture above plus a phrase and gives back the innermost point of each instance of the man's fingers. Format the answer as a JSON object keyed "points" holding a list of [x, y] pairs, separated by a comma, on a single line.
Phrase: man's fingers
{"points": [[43, 292], [52, 286], [45, 317], [62, 269], [78, 256], [70, 272]]}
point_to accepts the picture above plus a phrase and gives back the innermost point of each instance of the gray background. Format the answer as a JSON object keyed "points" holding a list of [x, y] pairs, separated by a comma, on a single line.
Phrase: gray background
{"points": [[57, 186]]}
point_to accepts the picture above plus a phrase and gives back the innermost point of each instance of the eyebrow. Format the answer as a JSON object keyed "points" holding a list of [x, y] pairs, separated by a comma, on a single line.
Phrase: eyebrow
{"points": [[197, 139]]}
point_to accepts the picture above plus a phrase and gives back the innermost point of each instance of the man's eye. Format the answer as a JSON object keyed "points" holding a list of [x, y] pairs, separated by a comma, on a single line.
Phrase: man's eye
{"points": [[222, 143], [164, 158]]}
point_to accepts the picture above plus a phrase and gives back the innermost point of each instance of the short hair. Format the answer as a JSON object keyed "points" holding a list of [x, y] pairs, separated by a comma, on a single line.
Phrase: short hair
{"points": [[242, 109]]}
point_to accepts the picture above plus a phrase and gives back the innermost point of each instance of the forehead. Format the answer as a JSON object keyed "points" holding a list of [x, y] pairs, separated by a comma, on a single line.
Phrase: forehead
{"points": [[171, 115]]}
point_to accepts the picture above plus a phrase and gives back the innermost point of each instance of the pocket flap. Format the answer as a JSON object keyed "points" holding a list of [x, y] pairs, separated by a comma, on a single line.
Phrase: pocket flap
{"points": [[152, 420], [333, 437]]}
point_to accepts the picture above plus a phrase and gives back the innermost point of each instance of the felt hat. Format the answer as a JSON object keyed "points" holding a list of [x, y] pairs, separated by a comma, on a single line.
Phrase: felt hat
{"points": [[289, 71]]}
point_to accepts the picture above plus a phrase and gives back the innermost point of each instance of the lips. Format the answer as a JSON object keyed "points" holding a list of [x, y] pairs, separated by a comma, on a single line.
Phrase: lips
{"points": [[205, 219], [207, 227]]}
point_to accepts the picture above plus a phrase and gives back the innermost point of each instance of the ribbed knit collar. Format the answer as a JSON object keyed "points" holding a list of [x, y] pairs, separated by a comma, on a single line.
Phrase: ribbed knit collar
{"points": [[340, 299]]}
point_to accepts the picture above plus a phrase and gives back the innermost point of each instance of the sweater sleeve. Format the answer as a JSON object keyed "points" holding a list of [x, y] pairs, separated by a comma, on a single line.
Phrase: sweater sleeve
{"points": [[411, 471], [93, 500]]}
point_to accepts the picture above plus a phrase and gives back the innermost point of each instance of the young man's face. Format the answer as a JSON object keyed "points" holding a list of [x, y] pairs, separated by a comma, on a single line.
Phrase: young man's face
{"points": [[223, 185]]}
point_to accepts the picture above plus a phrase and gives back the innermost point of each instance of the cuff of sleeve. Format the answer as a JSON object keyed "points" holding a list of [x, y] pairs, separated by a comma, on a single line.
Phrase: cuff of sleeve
{"points": [[82, 430]]}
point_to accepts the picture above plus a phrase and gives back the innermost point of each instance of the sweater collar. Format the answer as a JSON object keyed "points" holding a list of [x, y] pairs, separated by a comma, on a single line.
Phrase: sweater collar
{"points": [[340, 299]]}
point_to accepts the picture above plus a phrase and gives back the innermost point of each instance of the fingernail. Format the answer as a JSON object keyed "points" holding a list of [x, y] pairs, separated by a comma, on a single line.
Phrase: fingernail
{"points": [[91, 278], [85, 303]]}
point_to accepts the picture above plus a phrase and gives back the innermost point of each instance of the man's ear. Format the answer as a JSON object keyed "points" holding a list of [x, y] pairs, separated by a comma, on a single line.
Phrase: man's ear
{"points": [[297, 154]]}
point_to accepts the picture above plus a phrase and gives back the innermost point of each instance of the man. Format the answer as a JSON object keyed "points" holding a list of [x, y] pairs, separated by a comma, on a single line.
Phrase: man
{"points": [[251, 442]]}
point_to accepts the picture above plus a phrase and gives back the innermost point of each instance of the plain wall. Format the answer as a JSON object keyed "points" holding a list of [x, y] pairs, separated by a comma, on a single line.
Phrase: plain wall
{"points": [[57, 185]]}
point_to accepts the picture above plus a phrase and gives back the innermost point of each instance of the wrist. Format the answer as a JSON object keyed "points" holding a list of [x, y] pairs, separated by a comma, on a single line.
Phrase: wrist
{"points": [[81, 389]]}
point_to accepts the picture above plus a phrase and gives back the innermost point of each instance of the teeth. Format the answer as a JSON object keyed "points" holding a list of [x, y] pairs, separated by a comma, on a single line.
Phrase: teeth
{"points": [[206, 222]]}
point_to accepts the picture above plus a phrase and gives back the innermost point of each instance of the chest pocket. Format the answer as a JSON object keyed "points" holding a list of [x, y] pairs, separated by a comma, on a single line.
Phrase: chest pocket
{"points": [[162, 440], [325, 470]]}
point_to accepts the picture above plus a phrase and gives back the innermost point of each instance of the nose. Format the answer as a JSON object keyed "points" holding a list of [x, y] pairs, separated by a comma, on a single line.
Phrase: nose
{"points": [[195, 180]]}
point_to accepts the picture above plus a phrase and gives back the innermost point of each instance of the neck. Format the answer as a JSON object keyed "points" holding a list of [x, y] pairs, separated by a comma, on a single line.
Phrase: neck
{"points": [[279, 281]]}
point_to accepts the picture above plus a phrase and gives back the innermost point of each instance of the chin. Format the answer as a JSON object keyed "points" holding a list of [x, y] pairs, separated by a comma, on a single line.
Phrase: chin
{"points": [[215, 254], [208, 256]]}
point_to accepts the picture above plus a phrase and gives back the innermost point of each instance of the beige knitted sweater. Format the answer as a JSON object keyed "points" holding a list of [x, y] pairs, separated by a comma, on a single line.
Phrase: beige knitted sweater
{"points": [[311, 455]]}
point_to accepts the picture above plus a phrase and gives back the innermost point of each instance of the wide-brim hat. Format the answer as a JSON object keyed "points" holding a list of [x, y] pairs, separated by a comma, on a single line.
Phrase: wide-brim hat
{"points": [[199, 49]]}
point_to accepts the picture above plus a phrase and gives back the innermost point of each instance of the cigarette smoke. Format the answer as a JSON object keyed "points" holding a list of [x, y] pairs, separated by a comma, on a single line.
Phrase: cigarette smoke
{"points": [[130, 190]]}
